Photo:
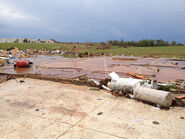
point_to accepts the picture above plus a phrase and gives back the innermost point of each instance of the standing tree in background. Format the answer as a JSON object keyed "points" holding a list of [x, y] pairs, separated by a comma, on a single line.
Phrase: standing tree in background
{"points": [[16, 41], [173, 43], [25, 41]]}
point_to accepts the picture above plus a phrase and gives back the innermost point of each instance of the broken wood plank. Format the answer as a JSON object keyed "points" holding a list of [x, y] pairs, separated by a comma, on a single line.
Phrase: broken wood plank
{"points": [[52, 78], [176, 59], [126, 59], [181, 97], [137, 76]]}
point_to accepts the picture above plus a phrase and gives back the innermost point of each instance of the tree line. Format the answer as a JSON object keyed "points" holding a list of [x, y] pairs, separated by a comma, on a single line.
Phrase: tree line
{"points": [[144, 43]]}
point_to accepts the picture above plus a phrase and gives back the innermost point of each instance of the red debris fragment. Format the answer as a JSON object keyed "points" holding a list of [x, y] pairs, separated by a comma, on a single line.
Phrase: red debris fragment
{"points": [[180, 97]]}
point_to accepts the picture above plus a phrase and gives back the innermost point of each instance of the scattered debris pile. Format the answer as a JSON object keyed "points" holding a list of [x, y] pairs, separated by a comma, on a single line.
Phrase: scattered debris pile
{"points": [[145, 90], [142, 88], [4, 78], [6, 56]]}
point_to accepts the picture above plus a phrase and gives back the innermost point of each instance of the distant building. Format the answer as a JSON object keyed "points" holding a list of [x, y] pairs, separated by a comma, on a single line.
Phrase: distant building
{"points": [[33, 41], [21, 40], [8, 40], [48, 41]]}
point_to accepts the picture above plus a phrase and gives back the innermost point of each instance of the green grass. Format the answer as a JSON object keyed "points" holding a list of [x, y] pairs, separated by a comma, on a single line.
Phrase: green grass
{"points": [[165, 51]]}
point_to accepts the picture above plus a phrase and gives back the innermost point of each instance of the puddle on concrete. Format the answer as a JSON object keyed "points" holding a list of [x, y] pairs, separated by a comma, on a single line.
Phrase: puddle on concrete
{"points": [[98, 67]]}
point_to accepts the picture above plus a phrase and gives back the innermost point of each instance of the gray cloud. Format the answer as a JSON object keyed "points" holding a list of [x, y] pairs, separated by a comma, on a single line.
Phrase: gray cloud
{"points": [[93, 20]]}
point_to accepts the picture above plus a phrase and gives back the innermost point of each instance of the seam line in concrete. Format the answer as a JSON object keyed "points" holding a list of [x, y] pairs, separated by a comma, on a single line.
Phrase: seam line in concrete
{"points": [[102, 132], [46, 118], [82, 119]]}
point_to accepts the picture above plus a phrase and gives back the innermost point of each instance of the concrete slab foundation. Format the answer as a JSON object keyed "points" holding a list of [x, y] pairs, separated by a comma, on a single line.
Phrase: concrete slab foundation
{"points": [[46, 109]]}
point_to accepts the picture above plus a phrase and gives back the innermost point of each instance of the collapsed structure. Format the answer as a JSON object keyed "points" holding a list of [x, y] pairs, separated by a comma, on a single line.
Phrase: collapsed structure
{"points": [[81, 72]]}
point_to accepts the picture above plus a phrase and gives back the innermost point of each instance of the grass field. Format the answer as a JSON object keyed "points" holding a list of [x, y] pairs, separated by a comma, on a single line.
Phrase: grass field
{"points": [[165, 51]]}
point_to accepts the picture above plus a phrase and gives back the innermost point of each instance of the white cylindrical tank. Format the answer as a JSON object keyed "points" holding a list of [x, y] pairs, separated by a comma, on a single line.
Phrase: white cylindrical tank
{"points": [[124, 84], [162, 98]]}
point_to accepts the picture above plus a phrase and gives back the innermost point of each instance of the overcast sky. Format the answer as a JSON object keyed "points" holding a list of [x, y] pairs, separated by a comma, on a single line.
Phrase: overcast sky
{"points": [[93, 20]]}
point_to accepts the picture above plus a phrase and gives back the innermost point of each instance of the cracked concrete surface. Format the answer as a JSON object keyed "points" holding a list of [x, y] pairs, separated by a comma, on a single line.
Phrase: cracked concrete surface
{"points": [[45, 109]]}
